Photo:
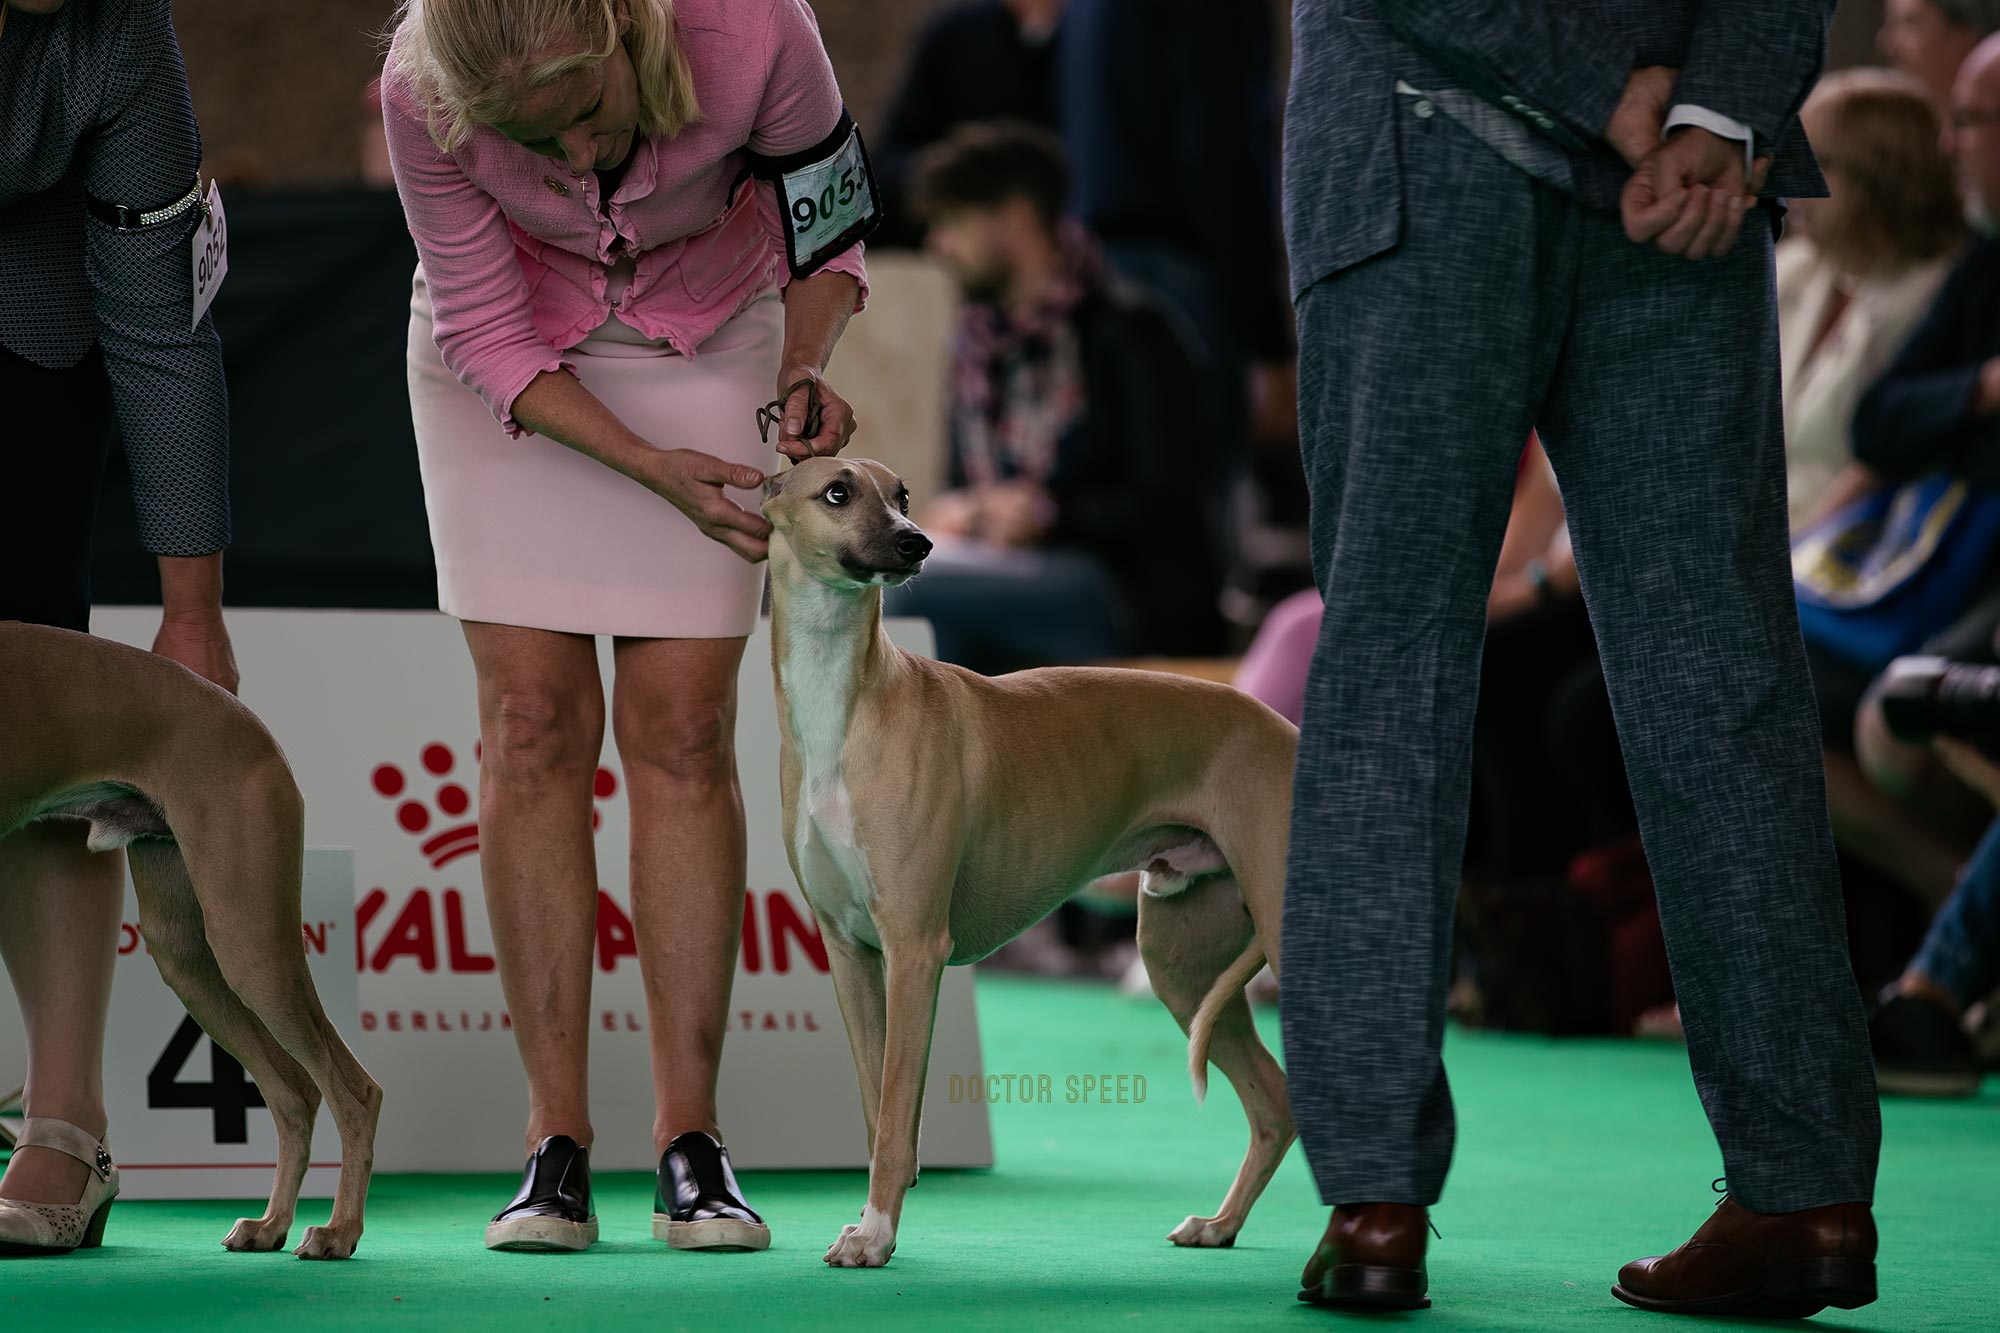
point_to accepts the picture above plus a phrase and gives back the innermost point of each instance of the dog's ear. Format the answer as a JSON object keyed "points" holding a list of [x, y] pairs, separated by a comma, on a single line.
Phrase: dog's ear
{"points": [[774, 484]]}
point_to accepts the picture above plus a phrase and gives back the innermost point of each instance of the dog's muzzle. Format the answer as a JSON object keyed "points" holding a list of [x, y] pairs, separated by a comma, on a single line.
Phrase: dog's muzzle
{"points": [[910, 549]]}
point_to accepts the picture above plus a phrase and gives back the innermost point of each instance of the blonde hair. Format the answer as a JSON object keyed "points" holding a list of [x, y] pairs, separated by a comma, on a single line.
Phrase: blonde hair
{"points": [[1881, 131], [467, 61]]}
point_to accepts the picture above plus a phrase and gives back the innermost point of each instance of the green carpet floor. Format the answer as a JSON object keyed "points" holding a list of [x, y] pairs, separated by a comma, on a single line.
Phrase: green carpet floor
{"points": [[1573, 1157]]}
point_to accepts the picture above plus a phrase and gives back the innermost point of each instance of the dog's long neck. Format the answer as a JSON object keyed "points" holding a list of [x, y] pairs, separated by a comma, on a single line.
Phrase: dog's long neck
{"points": [[827, 647]]}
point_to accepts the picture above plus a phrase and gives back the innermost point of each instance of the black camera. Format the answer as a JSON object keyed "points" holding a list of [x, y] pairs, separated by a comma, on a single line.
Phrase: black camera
{"points": [[1924, 697]]}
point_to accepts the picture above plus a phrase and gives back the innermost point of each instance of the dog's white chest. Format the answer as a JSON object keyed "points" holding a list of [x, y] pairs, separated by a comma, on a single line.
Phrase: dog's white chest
{"points": [[832, 864]]}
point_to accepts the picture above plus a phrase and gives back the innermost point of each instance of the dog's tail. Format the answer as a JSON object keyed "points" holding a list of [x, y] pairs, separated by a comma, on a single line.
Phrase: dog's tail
{"points": [[1201, 1028]]}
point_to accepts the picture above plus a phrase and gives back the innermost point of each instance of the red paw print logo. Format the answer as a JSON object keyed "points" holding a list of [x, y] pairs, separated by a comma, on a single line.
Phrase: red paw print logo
{"points": [[450, 802]]}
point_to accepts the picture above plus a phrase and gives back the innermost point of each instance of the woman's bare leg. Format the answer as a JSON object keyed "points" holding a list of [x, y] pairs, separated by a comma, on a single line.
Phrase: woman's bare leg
{"points": [[59, 909], [674, 716], [541, 728]]}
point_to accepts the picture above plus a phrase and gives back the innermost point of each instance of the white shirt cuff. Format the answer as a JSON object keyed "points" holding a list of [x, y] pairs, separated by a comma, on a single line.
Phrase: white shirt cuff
{"points": [[1719, 125]]}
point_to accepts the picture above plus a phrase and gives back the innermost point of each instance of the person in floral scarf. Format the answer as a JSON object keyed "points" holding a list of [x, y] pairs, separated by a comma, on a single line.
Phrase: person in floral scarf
{"points": [[1081, 519]]}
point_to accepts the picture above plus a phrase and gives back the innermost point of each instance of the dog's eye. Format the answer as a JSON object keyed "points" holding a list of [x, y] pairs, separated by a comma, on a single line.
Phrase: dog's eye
{"points": [[836, 494], [903, 501]]}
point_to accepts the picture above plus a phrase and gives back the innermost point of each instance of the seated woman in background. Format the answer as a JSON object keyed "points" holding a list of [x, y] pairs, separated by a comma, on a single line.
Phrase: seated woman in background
{"points": [[1078, 523], [1860, 272], [1851, 292]]}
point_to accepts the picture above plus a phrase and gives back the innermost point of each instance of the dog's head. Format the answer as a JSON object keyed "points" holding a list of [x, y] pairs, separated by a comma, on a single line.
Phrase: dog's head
{"points": [[846, 521]]}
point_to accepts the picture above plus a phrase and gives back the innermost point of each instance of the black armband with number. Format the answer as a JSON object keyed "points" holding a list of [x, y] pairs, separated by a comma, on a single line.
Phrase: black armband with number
{"points": [[124, 217], [827, 194]]}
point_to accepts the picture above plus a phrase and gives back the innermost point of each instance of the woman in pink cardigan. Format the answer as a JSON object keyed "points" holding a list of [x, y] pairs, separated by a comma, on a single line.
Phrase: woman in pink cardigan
{"points": [[637, 221]]}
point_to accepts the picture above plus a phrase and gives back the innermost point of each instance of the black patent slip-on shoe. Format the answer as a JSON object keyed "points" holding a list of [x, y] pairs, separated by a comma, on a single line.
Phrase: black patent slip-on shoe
{"points": [[697, 1204], [553, 1210]]}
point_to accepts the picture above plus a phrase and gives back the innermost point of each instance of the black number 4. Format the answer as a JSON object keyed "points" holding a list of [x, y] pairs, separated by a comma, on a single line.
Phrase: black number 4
{"points": [[227, 1093]]}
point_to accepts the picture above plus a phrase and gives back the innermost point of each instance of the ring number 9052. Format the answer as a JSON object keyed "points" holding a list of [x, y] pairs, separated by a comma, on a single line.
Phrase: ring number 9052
{"points": [[807, 211]]}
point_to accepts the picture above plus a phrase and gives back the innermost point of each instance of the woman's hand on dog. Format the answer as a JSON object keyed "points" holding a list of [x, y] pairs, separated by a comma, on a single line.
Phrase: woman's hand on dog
{"points": [[693, 482]]}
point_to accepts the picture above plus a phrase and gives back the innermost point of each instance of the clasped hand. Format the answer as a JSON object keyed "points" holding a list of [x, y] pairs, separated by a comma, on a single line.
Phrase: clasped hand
{"points": [[1687, 195]]}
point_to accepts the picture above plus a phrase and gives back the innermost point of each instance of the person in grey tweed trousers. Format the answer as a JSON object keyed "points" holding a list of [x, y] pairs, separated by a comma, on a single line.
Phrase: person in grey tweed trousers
{"points": [[1515, 214]]}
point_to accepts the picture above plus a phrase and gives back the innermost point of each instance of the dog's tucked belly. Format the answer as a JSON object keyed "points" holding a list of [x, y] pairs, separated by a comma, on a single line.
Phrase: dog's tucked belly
{"points": [[997, 896], [116, 815]]}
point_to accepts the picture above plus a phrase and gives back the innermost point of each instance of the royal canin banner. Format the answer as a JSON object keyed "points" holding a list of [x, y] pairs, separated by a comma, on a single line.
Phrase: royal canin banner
{"points": [[376, 712]]}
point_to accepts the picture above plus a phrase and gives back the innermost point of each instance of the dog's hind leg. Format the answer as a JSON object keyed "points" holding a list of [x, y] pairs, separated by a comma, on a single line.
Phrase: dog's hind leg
{"points": [[1189, 940], [245, 866], [171, 920]]}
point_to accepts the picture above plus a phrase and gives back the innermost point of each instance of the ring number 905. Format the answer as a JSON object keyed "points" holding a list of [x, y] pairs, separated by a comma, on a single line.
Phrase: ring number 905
{"points": [[807, 212]]}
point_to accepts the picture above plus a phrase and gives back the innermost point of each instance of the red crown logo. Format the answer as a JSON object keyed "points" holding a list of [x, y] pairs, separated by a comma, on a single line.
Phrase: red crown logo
{"points": [[451, 802]]}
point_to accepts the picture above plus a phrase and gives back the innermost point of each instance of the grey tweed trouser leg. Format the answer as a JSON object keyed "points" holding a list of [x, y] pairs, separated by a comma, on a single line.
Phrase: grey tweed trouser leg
{"points": [[1654, 382]]}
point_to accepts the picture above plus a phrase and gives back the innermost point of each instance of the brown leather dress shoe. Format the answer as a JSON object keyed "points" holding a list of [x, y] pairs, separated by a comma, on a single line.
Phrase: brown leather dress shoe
{"points": [[1371, 1258], [1775, 1265]]}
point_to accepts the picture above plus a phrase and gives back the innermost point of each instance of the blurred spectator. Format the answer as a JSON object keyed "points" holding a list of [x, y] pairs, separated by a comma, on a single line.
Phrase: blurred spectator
{"points": [[1917, 1029], [1274, 668], [1929, 39], [1936, 407], [1529, 813], [1533, 807], [1864, 269], [976, 61], [1170, 118], [1939, 400], [1535, 944], [1073, 527]]}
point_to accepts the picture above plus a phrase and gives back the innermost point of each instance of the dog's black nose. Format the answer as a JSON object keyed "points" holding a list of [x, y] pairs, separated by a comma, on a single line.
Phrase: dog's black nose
{"points": [[912, 545]]}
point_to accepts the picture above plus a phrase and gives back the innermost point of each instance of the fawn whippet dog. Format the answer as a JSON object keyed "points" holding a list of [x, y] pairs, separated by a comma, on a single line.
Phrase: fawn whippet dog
{"points": [[176, 771], [932, 814]]}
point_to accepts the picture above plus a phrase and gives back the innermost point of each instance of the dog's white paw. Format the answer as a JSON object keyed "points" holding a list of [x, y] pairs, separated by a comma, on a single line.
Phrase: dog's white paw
{"points": [[256, 1235], [1205, 1233], [864, 1244], [326, 1243]]}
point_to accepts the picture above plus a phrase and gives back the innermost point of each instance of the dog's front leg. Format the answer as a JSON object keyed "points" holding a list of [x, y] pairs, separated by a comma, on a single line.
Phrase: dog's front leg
{"points": [[914, 969], [859, 986]]}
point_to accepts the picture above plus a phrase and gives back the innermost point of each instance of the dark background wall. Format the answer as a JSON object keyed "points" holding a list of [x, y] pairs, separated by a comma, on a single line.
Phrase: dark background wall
{"points": [[329, 512], [278, 86]]}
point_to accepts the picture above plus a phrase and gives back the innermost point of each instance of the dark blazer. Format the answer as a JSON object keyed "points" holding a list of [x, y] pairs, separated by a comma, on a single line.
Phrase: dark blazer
{"points": [[970, 64], [1170, 117], [94, 103], [1914, 418], [1559, 66], [1133, 479]]}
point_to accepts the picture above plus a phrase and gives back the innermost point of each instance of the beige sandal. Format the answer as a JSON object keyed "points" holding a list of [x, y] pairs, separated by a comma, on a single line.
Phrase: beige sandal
{"points": [[58, 1228]]}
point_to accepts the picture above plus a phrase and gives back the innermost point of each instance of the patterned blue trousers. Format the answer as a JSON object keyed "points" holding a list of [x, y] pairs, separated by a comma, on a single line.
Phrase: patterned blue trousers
{"points": [[1654, 383]]}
